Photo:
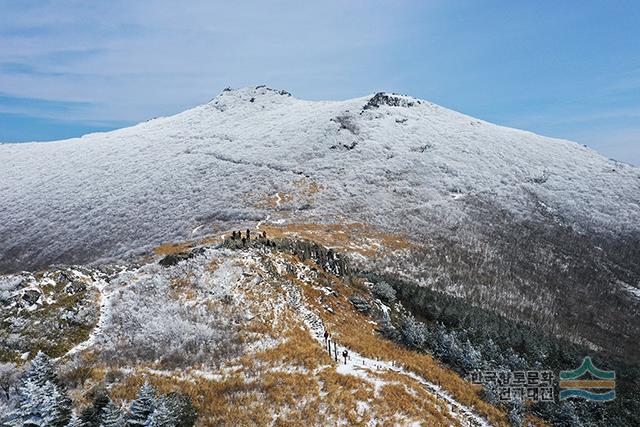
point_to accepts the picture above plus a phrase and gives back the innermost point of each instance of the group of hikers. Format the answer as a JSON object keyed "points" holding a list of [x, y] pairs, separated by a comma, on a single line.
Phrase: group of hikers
{"points": [[237, 235], [327, 343]]}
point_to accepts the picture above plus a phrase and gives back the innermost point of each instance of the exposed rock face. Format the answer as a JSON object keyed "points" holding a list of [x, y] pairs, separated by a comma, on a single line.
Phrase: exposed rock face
{"points": [[173, 259], [30, 296], [392, 100], [75, 287]]}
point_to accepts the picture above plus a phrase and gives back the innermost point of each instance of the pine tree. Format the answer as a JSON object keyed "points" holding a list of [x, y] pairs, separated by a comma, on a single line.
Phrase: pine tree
{"points": [[40, 369], [75, 421], [470, 358], [387, 329], [41, 400], [516, 413], [568, 416], [112, 416], [162, 416], [92, 415], [384, 291], [491, 354], [182, 406], [143, 406], [412, 333]]}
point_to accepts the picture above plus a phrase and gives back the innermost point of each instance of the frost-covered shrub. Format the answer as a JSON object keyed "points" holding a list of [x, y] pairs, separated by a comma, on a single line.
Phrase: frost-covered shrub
{"points": [[9, 375], [384, 291], [412, 333], [146, 321], [517, 411], [387, 329]]}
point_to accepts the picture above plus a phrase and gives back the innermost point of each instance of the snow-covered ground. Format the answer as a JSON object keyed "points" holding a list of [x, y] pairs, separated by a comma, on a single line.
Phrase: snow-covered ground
{"points": [[255, 152]]}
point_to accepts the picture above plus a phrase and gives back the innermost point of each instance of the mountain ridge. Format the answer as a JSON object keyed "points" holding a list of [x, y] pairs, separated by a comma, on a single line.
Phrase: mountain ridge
{"points": [[400, 148]]}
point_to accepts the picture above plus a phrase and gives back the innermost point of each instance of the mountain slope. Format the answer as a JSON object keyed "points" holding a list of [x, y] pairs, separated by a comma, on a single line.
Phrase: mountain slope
{"points": [[410, 167], [541, 231], [241, 332]]}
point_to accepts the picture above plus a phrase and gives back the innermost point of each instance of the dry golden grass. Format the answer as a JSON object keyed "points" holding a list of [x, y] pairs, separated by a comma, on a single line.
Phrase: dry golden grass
{"points": [[351, 328], [291, 383], [354, 237], [290, 380], [172, 248]]}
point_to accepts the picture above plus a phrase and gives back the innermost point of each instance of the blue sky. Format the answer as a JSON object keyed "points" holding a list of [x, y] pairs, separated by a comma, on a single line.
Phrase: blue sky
{"points": [[563, 69]]}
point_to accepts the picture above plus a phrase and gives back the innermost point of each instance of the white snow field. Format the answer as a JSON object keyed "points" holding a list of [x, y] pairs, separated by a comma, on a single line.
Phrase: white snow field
{"points": [[399, 163]]}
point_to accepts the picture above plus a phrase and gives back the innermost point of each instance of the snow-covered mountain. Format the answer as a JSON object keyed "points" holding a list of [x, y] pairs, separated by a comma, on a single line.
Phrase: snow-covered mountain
{"points": [[544, 214], [512, 250], [388, 160]]}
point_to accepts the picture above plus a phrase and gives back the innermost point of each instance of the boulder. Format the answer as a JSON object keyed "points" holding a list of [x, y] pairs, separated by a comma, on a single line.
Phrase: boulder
{"points": [[30, 296]]}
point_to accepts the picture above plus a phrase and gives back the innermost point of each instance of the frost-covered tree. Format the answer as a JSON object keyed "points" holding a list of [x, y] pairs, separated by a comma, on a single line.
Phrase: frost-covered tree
{"points": [[75, 421], [441, 341], [568, 416], [162, 415], [470, 358], [516, 413], [112, 416], [92, 415], [41, 400], [143, 406], [40, 370], [412, 332], [387, 329], [9, 376], [182, 407], [384, 291], [514, 361], [491, 353]]}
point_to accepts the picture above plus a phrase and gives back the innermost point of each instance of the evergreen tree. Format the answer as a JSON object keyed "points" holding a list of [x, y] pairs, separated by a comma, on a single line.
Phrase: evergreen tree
{"points": [[387, 329], [182, 406], [441, 342], [92, 415], [412, 332], [470, 358], [516, 412], [40, 369], [568, 416], [112, 416], [143, 406], [75, 421], [491, 354], [42, 401], [384, 291], [162, 415]]}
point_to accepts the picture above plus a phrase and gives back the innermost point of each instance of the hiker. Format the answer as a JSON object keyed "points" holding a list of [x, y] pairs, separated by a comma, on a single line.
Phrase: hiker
{"points": [[264, 234], [248, 234], [326, 336], [345, 354]]}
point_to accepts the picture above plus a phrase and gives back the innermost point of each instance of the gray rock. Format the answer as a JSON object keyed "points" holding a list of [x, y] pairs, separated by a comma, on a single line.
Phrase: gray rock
{"points": [[30, 296]]}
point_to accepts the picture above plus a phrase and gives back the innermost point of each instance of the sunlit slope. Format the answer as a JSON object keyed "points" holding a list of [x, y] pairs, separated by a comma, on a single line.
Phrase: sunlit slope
{"points": [[256, 154]]}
